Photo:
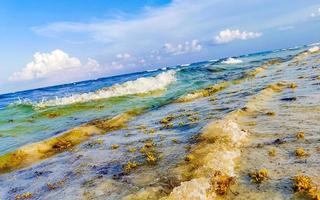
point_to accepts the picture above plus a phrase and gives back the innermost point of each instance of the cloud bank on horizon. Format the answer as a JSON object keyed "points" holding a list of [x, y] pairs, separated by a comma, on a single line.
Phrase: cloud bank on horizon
{"points": [[173, 33], [45, 65]]}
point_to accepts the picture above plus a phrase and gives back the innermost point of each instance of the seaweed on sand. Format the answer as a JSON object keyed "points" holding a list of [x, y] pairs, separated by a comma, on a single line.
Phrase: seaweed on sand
{"points": [[304, 185], [300, 135], [221, 183], [130, 166], [272, 152], [259, 176], [300, 152], [115, 146], [27, 195]]}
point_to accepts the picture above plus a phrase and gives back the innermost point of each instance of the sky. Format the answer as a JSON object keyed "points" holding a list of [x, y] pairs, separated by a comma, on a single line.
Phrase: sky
{"points": [[45, 43]]}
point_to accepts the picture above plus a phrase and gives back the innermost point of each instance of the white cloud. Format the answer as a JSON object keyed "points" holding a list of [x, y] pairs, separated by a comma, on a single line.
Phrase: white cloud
{"points": [[175, 22], [45, 65], [228, 35], [285, 28], [116, 65], [186, 47], [123, 56], [315, 14], [142, 61]]}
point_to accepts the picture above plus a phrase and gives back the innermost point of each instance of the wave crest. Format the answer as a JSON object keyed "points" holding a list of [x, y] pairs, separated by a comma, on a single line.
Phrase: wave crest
{"points": [[138, 86], [314, 49], [230, 61]]}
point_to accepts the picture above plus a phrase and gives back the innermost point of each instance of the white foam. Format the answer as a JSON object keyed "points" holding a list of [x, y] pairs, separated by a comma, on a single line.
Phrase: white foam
{"points": [[232, 61], [185, 65], [219, 160], [226, 130], [139, 86], [152, 70], [314, 49], [191, 190], [313, 44]]}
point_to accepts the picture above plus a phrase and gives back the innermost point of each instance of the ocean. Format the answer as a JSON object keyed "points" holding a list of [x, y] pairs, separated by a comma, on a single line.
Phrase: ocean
{"points": [[170, 133]]}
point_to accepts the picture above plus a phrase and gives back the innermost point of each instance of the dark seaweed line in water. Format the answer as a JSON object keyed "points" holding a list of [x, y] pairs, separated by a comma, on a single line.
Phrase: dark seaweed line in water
{"points": [[31, 153]]}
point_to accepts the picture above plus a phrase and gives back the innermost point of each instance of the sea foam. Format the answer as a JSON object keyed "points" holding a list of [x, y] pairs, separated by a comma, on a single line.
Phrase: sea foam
{"points": [[314, 49], [138, 86], [230, 61]]}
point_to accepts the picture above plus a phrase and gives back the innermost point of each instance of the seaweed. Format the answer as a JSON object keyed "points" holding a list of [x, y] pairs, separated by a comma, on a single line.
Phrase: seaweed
{"points": [[292, 85], [300, 135], [167, 119], [53, 115], [130, 166], [270, 113], [272, 152], [259, 176], [115, 146], [194, 119], [53, 186], [304, 185], [189, 158], [132, 150], [222, 184], [27, 195], [151, 158], [152, 131], [174, 140], [300, 152]]}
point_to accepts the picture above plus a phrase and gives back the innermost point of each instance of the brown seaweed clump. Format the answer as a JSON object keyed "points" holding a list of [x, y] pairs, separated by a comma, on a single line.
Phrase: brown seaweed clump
{"points": [[293, 85], [270, 113], [189, 158], [259, 176], [175, 140], [132, 150], [62, 145], [300, 152], [303, 184], [53, 115], [181, 123], [167, 119], [272, 152], [221, 183], [300, 135], [115, 146], [130, 166], [26, 195], [151, 158], [53, 186]]}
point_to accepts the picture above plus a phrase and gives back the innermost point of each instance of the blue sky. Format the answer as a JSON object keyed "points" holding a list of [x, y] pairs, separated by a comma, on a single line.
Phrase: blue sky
{"points": [[50, 42]]}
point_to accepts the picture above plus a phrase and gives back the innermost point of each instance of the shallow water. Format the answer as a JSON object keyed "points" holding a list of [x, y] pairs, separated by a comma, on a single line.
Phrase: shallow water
{"points": [[229, 129]]}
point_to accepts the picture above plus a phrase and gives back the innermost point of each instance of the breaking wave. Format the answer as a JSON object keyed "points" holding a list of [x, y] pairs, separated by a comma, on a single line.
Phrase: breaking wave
{"points": [[314, 49], [231, 61], [138, 86]]}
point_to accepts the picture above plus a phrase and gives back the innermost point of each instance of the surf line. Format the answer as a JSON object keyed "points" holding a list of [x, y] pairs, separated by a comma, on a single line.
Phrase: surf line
{"points": [[31, 153], [209, 169], [223, 85]]}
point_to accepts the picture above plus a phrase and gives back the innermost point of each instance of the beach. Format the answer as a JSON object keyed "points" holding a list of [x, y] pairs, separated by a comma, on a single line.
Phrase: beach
{"points": [[245, 127]]}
